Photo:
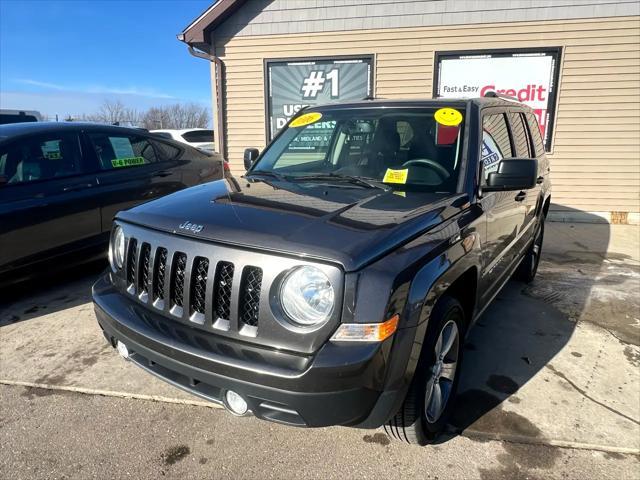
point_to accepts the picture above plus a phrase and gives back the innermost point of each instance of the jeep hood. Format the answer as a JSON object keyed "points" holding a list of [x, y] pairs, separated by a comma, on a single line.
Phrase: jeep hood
{"points": [[343, 224]]}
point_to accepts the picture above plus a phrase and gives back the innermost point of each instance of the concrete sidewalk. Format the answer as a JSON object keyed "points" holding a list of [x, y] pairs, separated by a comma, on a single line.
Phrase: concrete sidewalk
{"points": [[554, 363]]}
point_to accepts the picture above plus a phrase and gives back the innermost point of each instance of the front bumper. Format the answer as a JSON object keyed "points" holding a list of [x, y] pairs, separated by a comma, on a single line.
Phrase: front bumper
{"points": [[338, 385]]}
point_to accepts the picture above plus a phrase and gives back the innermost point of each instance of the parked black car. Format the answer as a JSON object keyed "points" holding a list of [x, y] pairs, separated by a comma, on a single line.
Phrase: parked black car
{"points": [[335, 284], [61, 185]]}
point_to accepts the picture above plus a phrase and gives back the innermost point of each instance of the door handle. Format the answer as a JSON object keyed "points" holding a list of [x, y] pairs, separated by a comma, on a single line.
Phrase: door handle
{"points": [[539, 180], [162, 173], [77, 187], [521, 196]]}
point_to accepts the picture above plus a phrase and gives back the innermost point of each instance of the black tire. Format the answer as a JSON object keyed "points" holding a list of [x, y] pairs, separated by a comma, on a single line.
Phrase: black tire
{"points": [[411, 424], [528, 267]]}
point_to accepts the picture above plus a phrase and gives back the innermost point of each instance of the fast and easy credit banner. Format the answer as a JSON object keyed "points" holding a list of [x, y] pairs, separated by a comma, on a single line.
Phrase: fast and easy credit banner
{"points": [[529, 75], [292, 85]]}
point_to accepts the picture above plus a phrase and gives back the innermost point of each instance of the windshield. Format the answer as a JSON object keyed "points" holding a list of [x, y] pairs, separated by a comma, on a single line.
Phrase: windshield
{"points": [[417, 148]]}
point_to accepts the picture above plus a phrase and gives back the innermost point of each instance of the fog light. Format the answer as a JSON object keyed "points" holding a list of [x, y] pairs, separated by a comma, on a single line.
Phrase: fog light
{"points": [[235, 403], [122, 349]]}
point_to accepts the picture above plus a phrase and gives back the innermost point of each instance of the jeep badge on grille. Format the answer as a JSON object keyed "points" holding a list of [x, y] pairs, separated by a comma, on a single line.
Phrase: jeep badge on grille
{"points": [[192, 227]]}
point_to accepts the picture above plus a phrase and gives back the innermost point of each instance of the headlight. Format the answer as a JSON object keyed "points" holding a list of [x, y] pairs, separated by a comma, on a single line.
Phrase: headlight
{"points": [[117, 247], [307, 296]]}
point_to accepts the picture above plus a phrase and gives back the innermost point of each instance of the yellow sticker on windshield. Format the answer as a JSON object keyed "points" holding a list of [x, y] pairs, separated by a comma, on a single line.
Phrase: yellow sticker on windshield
{"points": [[127, 162], [449, 117], [395, 176], [306, 119]]}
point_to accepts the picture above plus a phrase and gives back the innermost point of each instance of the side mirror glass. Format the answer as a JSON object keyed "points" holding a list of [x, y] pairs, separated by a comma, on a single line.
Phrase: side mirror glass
{"points": [[513, 174], [250, 156]]}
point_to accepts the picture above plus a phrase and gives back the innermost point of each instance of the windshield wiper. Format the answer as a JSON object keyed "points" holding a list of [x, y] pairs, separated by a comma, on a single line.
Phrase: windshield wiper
{"points": [[267, 173], [354, 180]]}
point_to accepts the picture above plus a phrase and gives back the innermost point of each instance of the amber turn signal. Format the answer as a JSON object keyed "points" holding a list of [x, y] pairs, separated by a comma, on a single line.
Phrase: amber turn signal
{"points": [[366, 332]]}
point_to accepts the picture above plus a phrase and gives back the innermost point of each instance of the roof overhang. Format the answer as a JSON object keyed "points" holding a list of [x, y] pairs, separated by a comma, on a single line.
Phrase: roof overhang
{"points": [[198, 33]]}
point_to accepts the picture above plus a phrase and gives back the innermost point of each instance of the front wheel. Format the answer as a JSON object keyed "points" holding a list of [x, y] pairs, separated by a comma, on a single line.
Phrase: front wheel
{"points": [[429, 401]]}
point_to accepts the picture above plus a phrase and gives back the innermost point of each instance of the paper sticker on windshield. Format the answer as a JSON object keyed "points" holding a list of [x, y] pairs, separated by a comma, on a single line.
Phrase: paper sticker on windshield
{"points": [[306, 119], [449, 117], [127, 162], [396, 176]]}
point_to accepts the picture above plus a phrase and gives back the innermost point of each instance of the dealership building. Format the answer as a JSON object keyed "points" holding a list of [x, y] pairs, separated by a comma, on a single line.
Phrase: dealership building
{"points": [[575, 62]]}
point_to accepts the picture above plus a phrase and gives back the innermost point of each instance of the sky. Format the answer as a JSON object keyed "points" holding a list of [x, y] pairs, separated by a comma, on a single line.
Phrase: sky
{"points": [[67, 57]]}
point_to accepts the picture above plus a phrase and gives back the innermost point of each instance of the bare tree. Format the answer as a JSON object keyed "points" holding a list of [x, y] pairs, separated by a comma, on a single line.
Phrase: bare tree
{"points": [[189, 115], [155, 118], [115, 112]]}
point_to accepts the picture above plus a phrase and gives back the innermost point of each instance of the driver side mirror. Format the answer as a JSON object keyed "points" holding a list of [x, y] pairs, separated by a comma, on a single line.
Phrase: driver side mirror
{"points": [[513, 174], [250, 156]]}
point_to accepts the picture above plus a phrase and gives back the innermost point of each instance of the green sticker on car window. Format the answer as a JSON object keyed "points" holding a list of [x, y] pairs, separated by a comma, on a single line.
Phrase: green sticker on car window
{"points": [[127, 162], [53, 155]]}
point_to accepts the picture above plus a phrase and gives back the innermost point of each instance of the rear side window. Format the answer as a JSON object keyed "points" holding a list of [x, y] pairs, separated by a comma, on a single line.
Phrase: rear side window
{"points": [[198, 136], [165, 151], [41, 157], [520, 135], [496, 143], [122, 151], [535, 134]]}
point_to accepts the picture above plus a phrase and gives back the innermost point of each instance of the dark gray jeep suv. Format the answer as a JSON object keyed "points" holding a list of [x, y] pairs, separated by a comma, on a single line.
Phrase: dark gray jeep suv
{"points": [[335, 282]]}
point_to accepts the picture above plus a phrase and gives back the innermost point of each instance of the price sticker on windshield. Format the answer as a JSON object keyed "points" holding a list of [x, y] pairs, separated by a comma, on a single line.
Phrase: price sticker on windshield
{"points": [[396, 176], [306, 119]]}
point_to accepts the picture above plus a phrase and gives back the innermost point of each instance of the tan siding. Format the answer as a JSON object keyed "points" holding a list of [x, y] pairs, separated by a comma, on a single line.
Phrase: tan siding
{"points": [[596, 151]]}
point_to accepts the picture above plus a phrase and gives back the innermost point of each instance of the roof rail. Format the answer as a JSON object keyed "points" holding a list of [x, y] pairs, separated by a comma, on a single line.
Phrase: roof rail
{"points": [[494, 94]]}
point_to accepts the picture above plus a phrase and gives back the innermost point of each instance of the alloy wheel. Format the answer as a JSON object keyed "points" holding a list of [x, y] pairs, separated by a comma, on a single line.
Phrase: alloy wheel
{"points": [[443, 372]]}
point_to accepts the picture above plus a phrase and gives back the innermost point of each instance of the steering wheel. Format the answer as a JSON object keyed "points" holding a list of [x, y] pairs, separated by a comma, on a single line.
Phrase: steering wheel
{"points": [[425, 162]]}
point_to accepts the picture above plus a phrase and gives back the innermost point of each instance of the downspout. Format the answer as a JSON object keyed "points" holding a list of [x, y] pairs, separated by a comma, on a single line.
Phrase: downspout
{"points": [[220, 141]]}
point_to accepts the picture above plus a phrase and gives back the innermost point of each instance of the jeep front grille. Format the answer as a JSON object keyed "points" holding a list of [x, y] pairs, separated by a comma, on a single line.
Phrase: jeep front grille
{"points": [[225, 291], [183, 279]]}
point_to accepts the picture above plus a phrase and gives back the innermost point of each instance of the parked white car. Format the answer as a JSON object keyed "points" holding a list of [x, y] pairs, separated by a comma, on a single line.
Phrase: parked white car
{"points": [[196, 137]]}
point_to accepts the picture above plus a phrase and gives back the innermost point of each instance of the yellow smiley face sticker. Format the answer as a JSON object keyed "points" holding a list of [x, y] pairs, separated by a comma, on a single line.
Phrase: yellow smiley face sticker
{"points": [[306, 119], [449, 117]]}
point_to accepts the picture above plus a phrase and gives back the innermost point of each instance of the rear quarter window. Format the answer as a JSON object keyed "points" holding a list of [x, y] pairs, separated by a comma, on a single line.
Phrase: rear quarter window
{"points": [[536, 136], [165, 151], [520, 135]]}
